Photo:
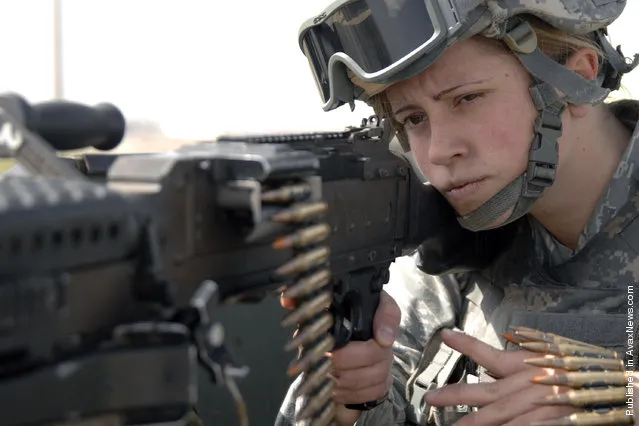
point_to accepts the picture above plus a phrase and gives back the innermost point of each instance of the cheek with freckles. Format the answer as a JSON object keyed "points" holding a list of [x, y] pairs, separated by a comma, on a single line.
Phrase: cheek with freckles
{"points": [[504, 139]]}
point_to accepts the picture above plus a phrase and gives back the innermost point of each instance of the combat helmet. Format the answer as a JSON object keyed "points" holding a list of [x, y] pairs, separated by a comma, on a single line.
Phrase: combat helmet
{"points": [[357, 48]]}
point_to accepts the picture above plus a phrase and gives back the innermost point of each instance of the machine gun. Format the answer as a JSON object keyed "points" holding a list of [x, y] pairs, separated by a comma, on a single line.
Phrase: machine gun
{"points": [[111, 266]]}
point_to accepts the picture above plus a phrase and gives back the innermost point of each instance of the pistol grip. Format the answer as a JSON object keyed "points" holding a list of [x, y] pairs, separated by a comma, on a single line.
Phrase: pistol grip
{"points": [[357, 307], [362, 314]]}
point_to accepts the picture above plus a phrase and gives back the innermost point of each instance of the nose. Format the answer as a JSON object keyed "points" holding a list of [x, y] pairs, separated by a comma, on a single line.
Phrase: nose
{"points": [[446, 141]]}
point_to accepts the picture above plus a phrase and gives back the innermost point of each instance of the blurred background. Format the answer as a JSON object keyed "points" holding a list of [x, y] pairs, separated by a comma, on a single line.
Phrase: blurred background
{"points": [[183, 70], [178, 69]]}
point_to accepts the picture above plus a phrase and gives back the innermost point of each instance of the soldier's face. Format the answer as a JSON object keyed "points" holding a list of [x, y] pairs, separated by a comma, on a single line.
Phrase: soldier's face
{"points": [[469, 121]]}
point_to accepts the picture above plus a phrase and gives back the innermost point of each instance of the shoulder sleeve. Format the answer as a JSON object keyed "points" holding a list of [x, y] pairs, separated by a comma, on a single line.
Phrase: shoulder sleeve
{"points": [[427, 303]]}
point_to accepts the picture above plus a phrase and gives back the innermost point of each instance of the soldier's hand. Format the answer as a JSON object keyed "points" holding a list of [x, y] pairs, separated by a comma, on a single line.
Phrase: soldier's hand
{"points": [[512, 399], [362, 370]]}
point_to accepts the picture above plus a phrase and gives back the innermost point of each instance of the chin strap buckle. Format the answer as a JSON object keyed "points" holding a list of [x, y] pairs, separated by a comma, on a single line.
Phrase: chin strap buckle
{"points": [[544, 150]]}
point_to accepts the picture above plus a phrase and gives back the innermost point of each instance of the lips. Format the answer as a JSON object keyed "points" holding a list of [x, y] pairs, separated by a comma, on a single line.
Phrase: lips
{"points": [[459, 186]]}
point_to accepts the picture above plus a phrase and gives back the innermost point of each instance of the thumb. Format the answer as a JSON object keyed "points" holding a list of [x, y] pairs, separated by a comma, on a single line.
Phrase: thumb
{"points": [[386, 321]]}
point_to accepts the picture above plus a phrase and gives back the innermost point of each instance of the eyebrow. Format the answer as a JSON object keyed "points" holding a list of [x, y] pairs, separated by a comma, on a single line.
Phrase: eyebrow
{"points": [[441, 94]]}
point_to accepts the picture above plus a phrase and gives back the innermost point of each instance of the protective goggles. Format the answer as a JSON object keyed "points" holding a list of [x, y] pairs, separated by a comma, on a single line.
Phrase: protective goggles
{"points": [[373, 41]]}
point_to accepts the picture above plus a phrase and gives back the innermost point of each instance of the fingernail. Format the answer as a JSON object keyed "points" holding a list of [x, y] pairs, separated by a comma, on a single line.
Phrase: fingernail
{"points": [[386, 335], [449, 332]]}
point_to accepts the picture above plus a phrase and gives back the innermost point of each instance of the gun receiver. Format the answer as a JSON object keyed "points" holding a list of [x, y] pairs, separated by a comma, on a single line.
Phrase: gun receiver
{"points": [[114, 281]]}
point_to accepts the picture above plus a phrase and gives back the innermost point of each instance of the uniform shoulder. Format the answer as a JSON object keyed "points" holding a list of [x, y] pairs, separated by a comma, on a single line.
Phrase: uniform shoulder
{"points": [[627, 111]]}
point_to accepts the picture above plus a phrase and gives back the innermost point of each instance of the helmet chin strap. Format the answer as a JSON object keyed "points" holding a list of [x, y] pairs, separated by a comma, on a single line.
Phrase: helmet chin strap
{"points": [[497, 206], [522, 192]]}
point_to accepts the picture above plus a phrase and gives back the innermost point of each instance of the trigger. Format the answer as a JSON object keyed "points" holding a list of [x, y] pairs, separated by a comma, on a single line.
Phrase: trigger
{"points": [[342, 330]]}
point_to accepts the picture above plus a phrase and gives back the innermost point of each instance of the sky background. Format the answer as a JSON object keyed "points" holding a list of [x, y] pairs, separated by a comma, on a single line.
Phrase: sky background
{"points": [[199, 68]]}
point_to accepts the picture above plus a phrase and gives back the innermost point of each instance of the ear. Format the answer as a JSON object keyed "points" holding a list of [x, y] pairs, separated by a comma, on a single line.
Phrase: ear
{"points": [[584, 62]]}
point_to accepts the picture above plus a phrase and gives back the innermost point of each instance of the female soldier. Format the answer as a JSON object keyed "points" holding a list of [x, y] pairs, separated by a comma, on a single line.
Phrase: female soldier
{"points": [[499, 105]]}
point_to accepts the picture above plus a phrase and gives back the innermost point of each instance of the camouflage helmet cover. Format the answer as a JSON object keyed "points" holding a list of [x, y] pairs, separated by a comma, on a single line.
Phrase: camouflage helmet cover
{"points": [[571, 16]]}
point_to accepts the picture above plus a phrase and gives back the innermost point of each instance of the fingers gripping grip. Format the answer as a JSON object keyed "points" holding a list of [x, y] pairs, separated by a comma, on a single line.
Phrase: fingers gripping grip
{"points": [[357, 298]]}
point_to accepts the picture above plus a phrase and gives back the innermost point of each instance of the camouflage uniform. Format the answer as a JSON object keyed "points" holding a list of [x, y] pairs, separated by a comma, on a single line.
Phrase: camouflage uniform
{"points": [[537, 283]]}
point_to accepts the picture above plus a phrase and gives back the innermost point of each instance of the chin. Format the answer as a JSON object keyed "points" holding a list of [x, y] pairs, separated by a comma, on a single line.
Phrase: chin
{"points": [[465, 208], [468, 205], [500, 221], [468, 199]]}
